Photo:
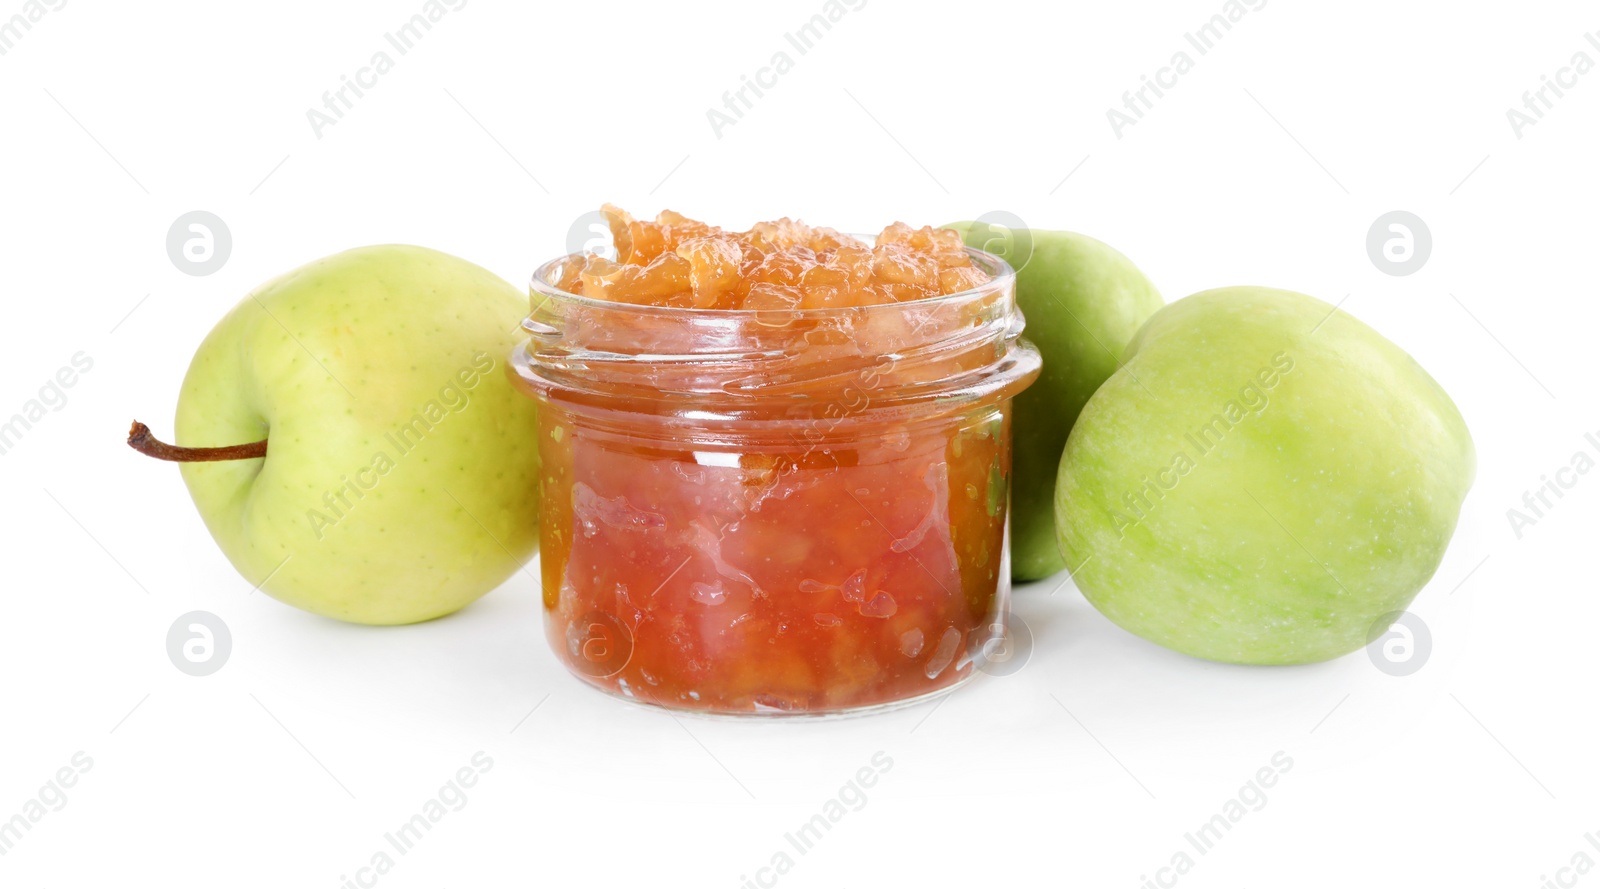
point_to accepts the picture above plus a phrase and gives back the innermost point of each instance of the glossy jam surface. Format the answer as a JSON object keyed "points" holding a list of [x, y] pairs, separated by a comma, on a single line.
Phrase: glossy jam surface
{"points": [[798, 511], [779, 265], [778, 579]]}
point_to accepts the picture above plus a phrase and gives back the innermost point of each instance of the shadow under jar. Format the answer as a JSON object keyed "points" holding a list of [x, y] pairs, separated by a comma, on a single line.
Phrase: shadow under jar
{"points": [[792, 512]]}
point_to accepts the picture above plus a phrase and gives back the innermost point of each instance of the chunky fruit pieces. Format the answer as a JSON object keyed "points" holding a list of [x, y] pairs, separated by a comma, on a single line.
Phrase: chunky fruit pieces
{"points": [[779, 265]]}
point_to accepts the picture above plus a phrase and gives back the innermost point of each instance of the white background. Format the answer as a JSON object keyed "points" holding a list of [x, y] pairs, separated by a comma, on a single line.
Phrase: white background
{"points": [[1266, 164]]}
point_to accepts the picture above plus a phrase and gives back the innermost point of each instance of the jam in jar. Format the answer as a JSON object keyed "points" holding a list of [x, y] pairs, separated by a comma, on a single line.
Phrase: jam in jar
{"points": [[759, 500]]}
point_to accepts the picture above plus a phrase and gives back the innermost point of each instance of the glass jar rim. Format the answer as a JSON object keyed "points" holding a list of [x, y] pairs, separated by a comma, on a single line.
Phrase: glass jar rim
{"points": [[736, 365]]}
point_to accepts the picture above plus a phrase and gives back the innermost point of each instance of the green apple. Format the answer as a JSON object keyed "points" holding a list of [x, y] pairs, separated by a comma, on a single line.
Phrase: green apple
{"points": [[401, 472], [1262, 480], [1082, 300]]}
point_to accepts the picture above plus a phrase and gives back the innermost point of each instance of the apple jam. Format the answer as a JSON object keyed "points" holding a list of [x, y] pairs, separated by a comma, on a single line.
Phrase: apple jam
{"points": [[781, 508], [775, 266]]}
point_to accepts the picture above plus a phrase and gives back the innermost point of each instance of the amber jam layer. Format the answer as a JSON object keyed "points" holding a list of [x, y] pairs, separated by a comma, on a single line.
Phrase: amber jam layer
{"points": [[799, 511], [778, 265]]}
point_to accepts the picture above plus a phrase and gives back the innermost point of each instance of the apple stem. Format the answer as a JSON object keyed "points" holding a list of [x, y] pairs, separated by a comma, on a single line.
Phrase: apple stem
{"points": [[140, 439]]}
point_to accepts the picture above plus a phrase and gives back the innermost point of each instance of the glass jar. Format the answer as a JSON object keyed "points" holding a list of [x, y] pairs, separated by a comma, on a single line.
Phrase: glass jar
{"points": [[775, 512]]}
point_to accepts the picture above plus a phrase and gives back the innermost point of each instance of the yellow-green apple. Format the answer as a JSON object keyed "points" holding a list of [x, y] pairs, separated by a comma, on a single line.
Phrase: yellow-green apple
{"points": [[353, 442]]}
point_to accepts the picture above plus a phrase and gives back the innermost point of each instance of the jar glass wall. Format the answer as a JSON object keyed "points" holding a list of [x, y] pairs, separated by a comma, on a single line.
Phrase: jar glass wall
{"points": [[792, 512]]}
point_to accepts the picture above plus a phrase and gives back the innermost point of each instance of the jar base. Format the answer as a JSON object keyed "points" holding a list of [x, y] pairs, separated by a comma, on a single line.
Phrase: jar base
{"points": [[776, 714]]}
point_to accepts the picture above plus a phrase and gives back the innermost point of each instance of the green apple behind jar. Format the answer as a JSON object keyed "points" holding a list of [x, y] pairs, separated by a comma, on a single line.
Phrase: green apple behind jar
{"points": [[1262, 481], [400, 475], [1082, 301]]}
